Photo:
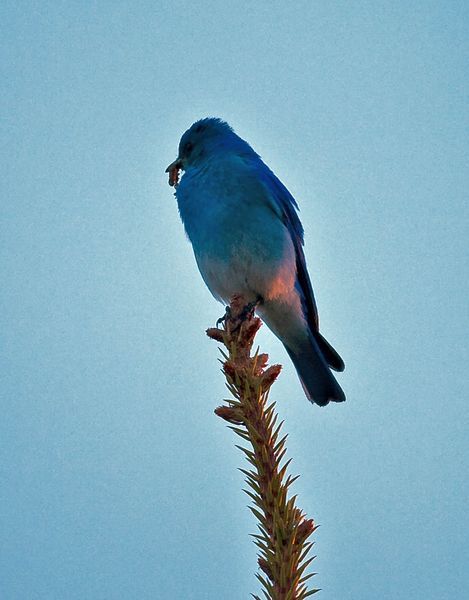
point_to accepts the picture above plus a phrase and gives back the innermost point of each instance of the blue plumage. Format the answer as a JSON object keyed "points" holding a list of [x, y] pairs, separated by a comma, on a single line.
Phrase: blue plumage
{"points": [[248, 239]]}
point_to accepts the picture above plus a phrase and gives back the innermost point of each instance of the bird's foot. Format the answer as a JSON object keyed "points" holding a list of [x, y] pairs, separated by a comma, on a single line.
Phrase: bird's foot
{"points": [[238, 317], [249, 310], [224, 319]]}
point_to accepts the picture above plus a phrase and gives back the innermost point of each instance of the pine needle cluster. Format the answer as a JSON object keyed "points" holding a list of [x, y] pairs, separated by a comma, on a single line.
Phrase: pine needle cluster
{"points": [[283, 529]]}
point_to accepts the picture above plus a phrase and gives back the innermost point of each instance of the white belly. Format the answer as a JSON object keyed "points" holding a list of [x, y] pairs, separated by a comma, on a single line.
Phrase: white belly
{"points": [[248, 275]]}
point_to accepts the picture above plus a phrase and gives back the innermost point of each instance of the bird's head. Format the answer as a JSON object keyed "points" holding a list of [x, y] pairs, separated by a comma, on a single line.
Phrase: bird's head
{"points": [[202, 140]]}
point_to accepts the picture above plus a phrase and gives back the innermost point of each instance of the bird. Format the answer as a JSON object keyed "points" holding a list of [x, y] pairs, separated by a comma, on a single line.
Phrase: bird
{"points": [[248, 240]]}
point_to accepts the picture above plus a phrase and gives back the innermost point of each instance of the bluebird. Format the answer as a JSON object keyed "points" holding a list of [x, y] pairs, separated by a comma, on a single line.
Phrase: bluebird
{"points": [[248, 240]]}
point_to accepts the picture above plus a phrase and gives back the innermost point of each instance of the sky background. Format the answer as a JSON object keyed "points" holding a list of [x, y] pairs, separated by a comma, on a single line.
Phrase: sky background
{"points": [[117, 480]]}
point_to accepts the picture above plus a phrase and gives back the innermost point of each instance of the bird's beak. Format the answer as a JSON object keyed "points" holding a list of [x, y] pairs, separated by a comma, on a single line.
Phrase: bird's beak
{"points": [[173, 171]]}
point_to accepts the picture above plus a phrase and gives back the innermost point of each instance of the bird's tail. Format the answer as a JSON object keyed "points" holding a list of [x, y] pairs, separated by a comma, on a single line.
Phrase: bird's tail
{"points": [[331, 356], [319, 384]]}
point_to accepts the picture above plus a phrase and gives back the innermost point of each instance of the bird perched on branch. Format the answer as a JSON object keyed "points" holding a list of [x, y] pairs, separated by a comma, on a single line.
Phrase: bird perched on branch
{"points": [[248, 240]]}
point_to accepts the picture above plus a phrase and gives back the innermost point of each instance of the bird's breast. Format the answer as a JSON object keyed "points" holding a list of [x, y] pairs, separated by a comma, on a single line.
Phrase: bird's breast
{"points": [[240, 244]]}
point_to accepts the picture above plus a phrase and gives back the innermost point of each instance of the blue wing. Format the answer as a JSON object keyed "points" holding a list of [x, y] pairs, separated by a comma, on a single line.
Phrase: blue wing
{"points": [[288, 210]]}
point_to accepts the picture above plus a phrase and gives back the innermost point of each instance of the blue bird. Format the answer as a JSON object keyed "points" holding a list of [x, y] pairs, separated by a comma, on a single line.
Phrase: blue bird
{"points": [[247, 239]]}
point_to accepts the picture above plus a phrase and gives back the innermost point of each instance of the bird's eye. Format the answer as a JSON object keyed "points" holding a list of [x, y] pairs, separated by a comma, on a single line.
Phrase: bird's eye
{"points": [[188, 148]]}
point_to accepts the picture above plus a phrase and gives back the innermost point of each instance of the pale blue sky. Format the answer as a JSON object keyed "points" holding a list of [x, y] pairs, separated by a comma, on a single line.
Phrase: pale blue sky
{"points": [[117, 481]]}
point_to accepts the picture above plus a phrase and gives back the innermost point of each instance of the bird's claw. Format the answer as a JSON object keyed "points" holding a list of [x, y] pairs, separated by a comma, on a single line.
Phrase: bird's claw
{"points": [[249, 310], [247, 313], [225, 317]]}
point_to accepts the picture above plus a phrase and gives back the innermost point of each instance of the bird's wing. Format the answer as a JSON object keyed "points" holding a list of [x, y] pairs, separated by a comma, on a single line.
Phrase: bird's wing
{"points": [[286, 207]]}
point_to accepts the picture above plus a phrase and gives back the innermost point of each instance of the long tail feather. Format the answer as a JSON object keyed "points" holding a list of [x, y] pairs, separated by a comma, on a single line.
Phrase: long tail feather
{"points": [[331, 355], [319, 384]]}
